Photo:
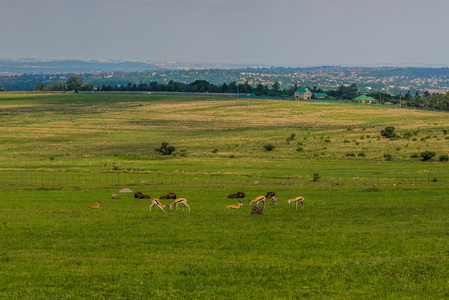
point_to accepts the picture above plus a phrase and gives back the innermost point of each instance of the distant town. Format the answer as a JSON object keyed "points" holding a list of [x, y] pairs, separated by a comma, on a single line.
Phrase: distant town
{"points": [[25, 74]]}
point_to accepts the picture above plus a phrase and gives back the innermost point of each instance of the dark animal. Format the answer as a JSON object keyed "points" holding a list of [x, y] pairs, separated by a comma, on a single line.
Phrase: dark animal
{"points": [[257, 210], [139, 195], [238, 195], [168, 196], [270, 194]]}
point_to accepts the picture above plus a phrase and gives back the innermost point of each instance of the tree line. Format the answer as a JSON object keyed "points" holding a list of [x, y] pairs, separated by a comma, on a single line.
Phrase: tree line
{"points": [[435, 101]]}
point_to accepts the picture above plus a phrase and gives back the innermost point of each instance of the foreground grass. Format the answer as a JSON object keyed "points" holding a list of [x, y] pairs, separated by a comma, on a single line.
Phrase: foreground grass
{"points": [[348, 242]]}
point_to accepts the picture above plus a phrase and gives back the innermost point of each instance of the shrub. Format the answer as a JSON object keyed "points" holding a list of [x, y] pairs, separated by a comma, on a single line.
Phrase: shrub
{"points": [[165, 149], [327, 140], [269, 147], [299, 149], [415, 155], [427, 155], [445, 131], [444, 157], [388, 157], [388, 132], [351, 154], [291, 137], [215, 150], [362, 154], [316, 177]]}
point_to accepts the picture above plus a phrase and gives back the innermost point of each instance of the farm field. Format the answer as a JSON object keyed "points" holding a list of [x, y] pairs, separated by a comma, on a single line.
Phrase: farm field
{"points": [[374, 224]]}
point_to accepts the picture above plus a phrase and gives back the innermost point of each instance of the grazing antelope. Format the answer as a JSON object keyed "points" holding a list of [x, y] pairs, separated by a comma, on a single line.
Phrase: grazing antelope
{"points": [[235, 206], [274, 200], [182, 201], [95, 206], [296, 200], [158, 203], [257, 200]]}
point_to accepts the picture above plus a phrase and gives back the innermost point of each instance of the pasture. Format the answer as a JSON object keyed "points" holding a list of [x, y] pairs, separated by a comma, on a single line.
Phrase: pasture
{"points": [[370, 228]]}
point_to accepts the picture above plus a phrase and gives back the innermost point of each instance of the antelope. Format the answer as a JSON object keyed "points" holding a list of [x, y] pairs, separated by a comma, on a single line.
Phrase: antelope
{"points": [[95, 206], [182, 201], [274, 200], [235, 206], [257, 200], [158, 203], [296, 200]]}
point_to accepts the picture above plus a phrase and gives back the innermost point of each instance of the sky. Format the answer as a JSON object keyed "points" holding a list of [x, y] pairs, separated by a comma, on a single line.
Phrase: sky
{"points": [[258, 32]]}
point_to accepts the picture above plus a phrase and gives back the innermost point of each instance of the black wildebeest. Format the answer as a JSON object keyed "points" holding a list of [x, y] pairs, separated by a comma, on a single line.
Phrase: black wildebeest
{"points": [[270, 194], [139, 195], [238, 195], [168, 196]]}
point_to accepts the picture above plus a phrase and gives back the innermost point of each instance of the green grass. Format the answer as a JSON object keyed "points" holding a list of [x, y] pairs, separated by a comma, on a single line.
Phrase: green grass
{"points": [[346, 242], [370, 228]]}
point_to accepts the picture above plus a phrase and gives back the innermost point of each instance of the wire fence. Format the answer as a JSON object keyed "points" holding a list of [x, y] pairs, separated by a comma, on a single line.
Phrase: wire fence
{"points": [[45, 177]]}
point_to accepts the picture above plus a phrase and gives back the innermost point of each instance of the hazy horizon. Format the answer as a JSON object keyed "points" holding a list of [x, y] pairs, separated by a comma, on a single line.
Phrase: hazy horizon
{"points": [[249, 32]]}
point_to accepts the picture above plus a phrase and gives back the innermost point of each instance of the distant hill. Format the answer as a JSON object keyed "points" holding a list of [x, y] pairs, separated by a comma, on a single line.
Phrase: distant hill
{"points": [[32, 65], [22, 66]]}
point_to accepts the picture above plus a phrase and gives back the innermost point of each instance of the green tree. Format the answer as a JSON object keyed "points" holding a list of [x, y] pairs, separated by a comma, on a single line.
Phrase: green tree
{"points": [[277, 88], [39, 87], [165, 149], [388, 132], [74, 83]]}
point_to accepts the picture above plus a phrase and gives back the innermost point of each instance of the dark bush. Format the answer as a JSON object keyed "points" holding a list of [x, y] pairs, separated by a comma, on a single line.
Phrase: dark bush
{"points": [[165, 149], [269, 147], [427, 155], [444, 157], [388, 132]]}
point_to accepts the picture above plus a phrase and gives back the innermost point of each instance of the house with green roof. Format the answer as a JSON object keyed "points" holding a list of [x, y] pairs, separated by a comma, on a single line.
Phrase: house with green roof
{"points": [[320, 95], [365, 99], [303, 93]]}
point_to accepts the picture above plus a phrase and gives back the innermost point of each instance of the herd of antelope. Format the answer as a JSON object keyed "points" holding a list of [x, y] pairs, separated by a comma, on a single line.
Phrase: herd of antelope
{"points": [[183, 201], [257, 200]]}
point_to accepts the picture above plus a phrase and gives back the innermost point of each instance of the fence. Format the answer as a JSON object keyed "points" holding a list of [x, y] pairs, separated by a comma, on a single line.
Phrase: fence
{"points": [[45, 177]]}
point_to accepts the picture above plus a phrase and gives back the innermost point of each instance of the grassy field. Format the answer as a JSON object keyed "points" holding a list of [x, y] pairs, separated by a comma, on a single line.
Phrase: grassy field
{"points": [[354, 238]]}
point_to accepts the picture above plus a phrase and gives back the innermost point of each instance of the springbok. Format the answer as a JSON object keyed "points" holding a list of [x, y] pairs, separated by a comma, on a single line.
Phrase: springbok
{"points": [[95, 206], [257, 200], [157, 203], [182, 201], [235, 206], [296, 200], [274, 201]]}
